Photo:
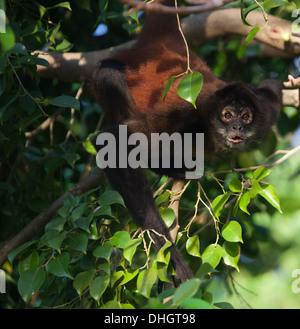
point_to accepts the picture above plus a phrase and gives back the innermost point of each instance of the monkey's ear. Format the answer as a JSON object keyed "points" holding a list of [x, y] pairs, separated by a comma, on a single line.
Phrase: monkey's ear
{"points": [[270, 90]]}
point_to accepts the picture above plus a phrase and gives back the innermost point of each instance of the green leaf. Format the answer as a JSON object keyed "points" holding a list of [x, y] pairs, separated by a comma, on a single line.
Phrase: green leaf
{"points": [[29, 282], [231, 254], [89, 147], [128, 276], [111, 197], [65, 210], [54, 239], [83, 280], [193, 246], [104, 251], [269, 194], [196, 304], [212, 255], [103, 210], [204, 269], [59, 266], [130, 249], [163, 257], [244, 201], [11, 256], [251, 35], [235, 185], [62, 46], [65, 101], [146, 280], [168, 85], [63, 5], [121, 239], [77, 241], [162, 198], [219, 202], [78, 211], [98, 287], [255, 188], [85, 223], [190, 86], [260, 173], [162, 272], [268, 4], [115, 277], [232, 232], [186, 290], [7, 40], [29, 262], [167, 215], [245, 12]]}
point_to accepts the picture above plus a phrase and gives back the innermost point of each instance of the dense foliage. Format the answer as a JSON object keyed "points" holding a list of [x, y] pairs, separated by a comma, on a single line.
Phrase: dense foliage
{"points": [[235, 227]]}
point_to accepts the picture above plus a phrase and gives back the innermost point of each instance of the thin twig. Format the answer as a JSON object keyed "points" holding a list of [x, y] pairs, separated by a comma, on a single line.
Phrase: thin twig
{"points": [[22, 86], [188, 69], [69, 133], [287, 155]]}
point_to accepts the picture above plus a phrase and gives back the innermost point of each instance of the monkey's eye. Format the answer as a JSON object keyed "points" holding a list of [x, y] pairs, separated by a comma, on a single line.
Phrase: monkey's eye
{"points": [[227, 116], [245, 117]]}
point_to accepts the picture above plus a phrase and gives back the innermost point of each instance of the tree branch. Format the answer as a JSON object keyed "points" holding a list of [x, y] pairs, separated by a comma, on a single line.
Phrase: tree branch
{"points": [[287, 154], [76, 67], [162, 9], [177, 188]]}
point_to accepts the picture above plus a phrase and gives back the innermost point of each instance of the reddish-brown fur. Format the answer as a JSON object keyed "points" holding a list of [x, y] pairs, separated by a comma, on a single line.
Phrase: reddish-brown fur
{"points": [[159, 54], [129, 88]]}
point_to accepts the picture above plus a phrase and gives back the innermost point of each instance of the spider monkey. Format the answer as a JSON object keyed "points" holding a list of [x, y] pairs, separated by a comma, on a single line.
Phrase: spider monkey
{"points": [[233, 116]]}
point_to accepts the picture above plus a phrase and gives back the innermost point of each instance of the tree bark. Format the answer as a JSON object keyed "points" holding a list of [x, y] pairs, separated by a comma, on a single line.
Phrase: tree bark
{"points": [[76, 67]]}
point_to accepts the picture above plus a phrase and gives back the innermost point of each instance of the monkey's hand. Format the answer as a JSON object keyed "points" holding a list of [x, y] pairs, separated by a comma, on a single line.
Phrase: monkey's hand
{"points": [[293, 82]]}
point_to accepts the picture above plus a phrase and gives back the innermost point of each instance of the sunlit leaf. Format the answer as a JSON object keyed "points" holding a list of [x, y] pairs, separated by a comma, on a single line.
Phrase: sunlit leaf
{"points": [[231, 254], [98, 287], [186, 290], [232, 232], [251, 35], [168, 85], [244, 201], [193, 246], [146, 280], [219, 202], [260, 173], [212, 255], [269, 194], [190, 86]]}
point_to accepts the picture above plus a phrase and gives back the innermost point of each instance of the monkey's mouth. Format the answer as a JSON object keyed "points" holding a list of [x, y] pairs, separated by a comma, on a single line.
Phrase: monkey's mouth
{"points": [[235, 139]]}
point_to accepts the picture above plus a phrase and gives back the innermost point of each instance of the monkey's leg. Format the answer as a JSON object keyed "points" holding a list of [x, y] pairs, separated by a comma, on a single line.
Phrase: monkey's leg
{"points": [[134, 187]]}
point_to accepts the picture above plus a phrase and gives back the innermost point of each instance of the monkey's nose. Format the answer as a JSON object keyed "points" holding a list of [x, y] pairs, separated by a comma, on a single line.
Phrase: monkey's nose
{"points": [[236, 127]]}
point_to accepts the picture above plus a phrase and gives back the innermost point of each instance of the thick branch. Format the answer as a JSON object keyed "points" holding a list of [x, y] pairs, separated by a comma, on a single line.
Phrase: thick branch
{"points": [[75, 67], [39, 222], [159, 8], [177, 187]]}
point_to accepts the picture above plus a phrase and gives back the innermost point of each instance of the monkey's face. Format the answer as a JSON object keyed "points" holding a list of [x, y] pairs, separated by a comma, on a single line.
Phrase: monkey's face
{"points": [[234, 128]]}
